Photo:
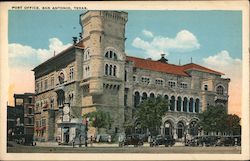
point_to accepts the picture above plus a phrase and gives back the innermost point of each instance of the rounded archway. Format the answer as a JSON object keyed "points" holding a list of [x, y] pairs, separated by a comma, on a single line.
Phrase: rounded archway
{"points": [[136, 99], [172, 103], [191, 105], [185, 101], [193, 128], [144, 96], [168, 128], [179, 103], [180, 129]]}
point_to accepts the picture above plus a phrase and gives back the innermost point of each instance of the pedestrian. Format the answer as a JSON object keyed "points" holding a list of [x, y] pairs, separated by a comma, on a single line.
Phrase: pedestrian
{"points": [[109, 138], [91, 140]]}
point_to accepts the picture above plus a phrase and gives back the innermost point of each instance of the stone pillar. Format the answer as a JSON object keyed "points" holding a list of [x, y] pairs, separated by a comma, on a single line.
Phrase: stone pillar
{"points": [[188, 105], [162, 130]]}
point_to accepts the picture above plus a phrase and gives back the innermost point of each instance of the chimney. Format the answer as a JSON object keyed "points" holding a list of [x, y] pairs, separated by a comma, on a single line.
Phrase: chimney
{"points": [[148, 58]]}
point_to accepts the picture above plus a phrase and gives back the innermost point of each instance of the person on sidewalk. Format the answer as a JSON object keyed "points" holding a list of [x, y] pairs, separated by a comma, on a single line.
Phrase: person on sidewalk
{"points": [[91, 140]]}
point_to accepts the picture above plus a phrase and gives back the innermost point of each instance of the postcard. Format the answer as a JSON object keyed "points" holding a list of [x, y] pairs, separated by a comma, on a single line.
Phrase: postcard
{"points": [[125, 80]]}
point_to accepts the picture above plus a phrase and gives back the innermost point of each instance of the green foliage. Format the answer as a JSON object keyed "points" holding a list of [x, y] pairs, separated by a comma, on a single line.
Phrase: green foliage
{"points": [[99, 119], [233, 124], [216, 119], [149, 113]]}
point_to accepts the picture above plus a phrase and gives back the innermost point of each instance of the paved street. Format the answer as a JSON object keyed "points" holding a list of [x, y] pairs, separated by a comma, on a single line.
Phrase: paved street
{"points": [[113, 148]]}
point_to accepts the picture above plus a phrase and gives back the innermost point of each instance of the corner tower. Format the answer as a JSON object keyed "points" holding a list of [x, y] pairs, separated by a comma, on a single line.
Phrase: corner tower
{"points": [[103, 35], [102, 31]]}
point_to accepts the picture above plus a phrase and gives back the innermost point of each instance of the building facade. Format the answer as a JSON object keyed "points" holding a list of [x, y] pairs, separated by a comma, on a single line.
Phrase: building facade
{"points": [[96, 74], [21, 116]]}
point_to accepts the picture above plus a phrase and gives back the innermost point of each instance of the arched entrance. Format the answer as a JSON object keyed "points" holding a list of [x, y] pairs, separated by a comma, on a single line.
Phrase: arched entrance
{"points": [[168, 128], [193, 128], [180, 130]]}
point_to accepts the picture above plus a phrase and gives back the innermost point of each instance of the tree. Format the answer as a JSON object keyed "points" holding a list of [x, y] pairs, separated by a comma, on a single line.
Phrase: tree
{"points": [[99, 119], [214, 119], [233, 124], [149, 114]]}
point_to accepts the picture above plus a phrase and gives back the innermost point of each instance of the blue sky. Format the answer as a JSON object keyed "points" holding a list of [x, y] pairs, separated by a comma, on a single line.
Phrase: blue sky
{"points": [[212, 38], [214, 30]]}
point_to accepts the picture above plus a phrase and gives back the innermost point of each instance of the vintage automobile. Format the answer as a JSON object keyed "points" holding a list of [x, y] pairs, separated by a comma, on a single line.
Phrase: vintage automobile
{"points": [[133, 139], [162, 140], [103, 138], [230, 141], [24, 139]]}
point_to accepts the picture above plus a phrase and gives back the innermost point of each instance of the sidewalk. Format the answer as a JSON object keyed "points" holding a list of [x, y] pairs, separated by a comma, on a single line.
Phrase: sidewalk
{"points": [[55, 144]]}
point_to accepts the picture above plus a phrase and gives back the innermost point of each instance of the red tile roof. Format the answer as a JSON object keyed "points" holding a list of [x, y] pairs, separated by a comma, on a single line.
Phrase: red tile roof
{"points": [[168, 68]]}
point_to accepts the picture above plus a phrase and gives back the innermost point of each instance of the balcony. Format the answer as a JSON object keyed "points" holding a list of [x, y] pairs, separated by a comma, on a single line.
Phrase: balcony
{"points": [[59, 87]]}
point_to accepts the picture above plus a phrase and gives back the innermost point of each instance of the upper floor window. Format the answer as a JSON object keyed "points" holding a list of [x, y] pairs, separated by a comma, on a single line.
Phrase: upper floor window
{"points": [[205, 87], [86, 71], [30, 111], [172, 84], [134, 78], [111, 55], [184, 85], [46, 84], [159, 82], [41, 86], [125, 76], [51, 103], [52, 81], [111, 70], [145, 80], [37, 87], [71, 73], [86, 55], [220, 90]]}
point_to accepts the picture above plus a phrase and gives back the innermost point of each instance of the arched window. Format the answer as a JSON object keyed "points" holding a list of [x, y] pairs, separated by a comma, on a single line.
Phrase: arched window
{"points": [[106, 69], [114, 73], [179, 103], [115, 56], [180, 129], [172, 103], [197, 104], [136, 99], [168, 128], [193, 128], [185, 101], [144, 96], [86, 55], [152, 95], [111, 55], [191, 104], [167, 102], [110, 69], [107, 55], [220, 90], [125, 76]]}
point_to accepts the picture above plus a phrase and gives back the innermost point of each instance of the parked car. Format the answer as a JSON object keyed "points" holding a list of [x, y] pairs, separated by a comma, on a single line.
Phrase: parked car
{"points": [[162, 140], [133, 139], [103, 138], [24, 139]]}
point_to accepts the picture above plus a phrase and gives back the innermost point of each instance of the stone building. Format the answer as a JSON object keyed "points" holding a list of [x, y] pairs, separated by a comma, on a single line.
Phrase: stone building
{"points": [[20, 118], [96, 74]]}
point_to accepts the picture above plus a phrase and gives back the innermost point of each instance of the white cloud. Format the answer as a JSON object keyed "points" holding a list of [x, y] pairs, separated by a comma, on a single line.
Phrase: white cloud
{"points": [[26, 56], [224, 62], [148, 33], [184, 41]]}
